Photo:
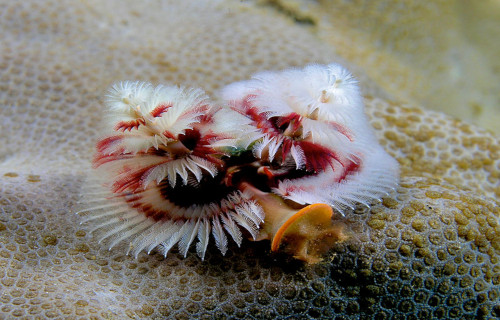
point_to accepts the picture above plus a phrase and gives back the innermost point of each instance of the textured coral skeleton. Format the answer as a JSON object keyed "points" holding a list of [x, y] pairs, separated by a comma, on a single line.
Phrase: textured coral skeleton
{"points": [[429, 251], [178, 167]]}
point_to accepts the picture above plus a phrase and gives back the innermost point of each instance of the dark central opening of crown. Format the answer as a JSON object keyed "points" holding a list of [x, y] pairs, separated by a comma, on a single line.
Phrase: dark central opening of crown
{"points": [[289, 126], [190, 138], [215, 189], [208, 190], [184, 145]]}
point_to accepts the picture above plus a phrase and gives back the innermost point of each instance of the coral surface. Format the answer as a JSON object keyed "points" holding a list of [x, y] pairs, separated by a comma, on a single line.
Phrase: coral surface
{"points": [[418, 51], [431, 251]]}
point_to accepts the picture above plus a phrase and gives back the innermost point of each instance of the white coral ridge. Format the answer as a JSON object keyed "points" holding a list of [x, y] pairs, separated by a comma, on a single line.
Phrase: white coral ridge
{"points": [[328, 98]]}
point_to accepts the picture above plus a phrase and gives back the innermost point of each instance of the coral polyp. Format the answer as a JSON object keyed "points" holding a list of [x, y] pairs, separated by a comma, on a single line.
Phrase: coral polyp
{"points": [[272, 162]]}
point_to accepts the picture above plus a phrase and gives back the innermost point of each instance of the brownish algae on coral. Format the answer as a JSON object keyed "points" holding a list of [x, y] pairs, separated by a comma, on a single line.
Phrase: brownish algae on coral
{"points": [[431, 250]]}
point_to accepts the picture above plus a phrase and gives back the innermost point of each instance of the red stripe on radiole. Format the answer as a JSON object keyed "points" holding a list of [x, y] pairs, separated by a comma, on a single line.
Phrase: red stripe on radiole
{"points": [[157, 112]]}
